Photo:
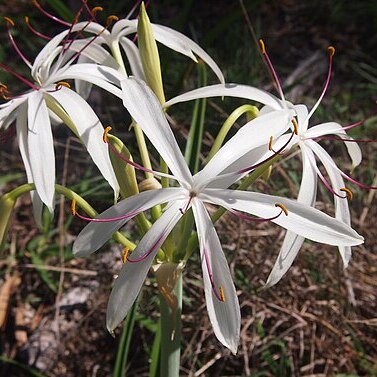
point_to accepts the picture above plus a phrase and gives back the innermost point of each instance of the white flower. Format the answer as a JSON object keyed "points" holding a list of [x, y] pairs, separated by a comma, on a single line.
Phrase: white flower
{"points": [[193, 192], [33, 117], [310, 149]]}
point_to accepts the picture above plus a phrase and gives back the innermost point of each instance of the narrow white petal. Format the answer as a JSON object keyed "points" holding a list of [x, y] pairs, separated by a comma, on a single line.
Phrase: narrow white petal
{"points": [[132, 275], [9, 111], [172, 39], [224, 315], [21, 127], [145, 108], [329, 128], [293, 242], [302, 118], [95, 234], [41, 148], [342, 211], [133, 57], [302, 219], [252, 135], [106, 78], [230, 90], [90, 130]]}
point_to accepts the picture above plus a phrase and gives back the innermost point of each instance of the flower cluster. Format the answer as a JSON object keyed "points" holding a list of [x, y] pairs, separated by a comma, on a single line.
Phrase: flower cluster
{"points": [[87, 53]]}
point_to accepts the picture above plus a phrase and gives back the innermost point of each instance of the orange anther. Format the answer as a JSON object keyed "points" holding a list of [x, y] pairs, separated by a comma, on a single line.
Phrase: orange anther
{"points": [[282, 207], [270, 143], [295, 126], [62, 83], [125, 254], [104, 137], [111, 19], [222, 295], [97, 9], [331, 50], [73, 207], [348, 192], [262, 46], [9, 20]]}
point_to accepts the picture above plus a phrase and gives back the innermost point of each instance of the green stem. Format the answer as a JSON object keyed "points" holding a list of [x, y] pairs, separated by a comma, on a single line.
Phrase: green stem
{"points": [[251, 111], [82, 203], [171, 334]]}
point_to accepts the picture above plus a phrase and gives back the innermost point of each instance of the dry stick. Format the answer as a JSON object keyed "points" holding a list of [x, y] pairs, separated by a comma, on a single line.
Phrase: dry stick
{"points": [[76, 271], [256, 41], [61, 241]]}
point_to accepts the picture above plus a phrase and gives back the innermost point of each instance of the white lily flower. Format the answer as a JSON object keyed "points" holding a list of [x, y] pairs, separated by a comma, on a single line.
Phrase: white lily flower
{"points": [[305, 139], [33, 117], [193, 192]]}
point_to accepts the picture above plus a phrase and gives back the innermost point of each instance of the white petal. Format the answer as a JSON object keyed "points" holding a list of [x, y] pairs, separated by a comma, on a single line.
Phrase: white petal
{"points": [[224, 315], [302, 219], [41, 149], [293, 242], [302, 118], [132, 275], [172, 39], [342, 211], [21, 127], [9, 110], [328, 128], [230, 90], [90, 130], [95, 234], [105, 77], [145, 108], [133, 57], [254, 134]]}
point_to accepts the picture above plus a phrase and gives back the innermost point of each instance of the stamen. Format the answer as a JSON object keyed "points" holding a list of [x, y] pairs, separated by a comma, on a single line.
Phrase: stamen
{"points": [[102, 220], [96, 10], [135, 164], [110, 20], [125, 254], [222, 295], [104, 137], [282, 207], [34, 31], [49, 15], [10, 23], [73, 207], [20, 77], [278, 152], [247, 217], [9, 20], [149, 252], [348, 192], [357, 183], [272, 70], [270, 143], [184, 210], [62, 83], [331, 51], [295, 125], [219, 296]]}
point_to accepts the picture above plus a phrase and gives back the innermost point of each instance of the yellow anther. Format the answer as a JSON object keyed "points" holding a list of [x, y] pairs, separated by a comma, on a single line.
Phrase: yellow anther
{"points": [[282, 207], [73, 207], [262, 46], [295, 126], [222, 295], [62, 83], [111, 19], [9, 20], [104, 137], [97, 9], [348, 192], [125, 254], [270, 143], [27, 19], [331, 50]]}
